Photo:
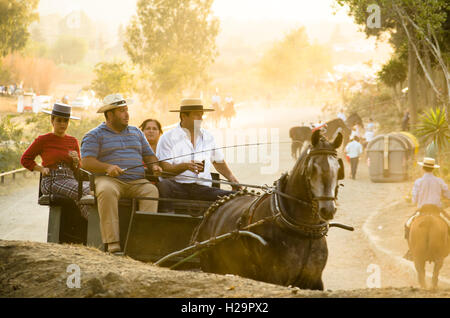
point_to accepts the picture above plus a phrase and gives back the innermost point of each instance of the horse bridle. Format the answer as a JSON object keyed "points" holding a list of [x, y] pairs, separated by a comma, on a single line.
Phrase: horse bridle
{"points": [[311, 197], [308, 230]]}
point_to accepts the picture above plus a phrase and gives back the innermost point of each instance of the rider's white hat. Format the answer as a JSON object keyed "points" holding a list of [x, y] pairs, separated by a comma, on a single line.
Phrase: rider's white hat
{"points": [[429, 163]]}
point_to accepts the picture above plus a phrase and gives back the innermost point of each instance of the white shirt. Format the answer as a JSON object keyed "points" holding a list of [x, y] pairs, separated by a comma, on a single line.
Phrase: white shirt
{"points": [[342, 116], [355, 132], [428, 190], [369, 135], [177, 143], [215, 99], [354, 149]]}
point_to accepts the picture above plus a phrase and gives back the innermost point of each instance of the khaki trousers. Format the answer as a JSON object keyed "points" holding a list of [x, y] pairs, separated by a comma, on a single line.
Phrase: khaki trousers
{"points": [[109, 191]]}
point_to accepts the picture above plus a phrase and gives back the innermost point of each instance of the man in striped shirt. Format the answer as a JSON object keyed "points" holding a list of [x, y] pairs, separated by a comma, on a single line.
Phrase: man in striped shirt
{"points": [[110, 148]]}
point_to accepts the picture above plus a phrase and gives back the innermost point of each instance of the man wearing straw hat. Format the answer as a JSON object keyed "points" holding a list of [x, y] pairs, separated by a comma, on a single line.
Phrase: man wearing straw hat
{"points": [[427, 191], [109, 149], [187, 151]]}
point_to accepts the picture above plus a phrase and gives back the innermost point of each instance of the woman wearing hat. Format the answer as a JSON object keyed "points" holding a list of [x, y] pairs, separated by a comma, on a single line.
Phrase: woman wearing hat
{"points": [[60, 155], [427, 192]]}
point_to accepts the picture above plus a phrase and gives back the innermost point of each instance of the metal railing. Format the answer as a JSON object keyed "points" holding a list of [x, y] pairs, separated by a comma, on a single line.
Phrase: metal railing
{"points": [[13, 173]]}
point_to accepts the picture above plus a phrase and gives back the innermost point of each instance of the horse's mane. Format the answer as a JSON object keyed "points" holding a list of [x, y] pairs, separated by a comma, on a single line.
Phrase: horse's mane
{"points": [[356, 118]]}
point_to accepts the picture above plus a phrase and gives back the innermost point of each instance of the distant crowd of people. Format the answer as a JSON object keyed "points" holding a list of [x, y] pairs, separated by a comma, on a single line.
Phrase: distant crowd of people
{"points": [[11, 89]]}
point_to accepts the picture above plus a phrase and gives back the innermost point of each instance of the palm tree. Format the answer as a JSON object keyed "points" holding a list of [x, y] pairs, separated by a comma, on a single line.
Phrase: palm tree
{"points": [[433, 128]]}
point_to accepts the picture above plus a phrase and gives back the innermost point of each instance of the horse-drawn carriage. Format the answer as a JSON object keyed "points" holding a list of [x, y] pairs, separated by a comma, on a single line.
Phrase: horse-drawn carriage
{"points": [[145, 236], [277, 237]]}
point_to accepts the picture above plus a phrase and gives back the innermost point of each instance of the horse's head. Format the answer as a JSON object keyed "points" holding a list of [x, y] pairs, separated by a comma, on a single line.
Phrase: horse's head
{"points": [[321, 172], [354, 119]]}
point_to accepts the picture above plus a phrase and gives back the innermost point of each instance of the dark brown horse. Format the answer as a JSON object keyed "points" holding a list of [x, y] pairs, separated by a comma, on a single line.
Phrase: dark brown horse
{"points": [[293, 220], [300, 134]]}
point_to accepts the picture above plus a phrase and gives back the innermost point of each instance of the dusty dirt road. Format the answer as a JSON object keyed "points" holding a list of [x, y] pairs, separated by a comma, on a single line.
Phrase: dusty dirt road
{"points": [[355, 261]]}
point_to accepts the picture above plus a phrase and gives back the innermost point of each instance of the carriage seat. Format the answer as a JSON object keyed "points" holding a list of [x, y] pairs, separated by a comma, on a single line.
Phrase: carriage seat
{"points": [[52, 199], [190, 207]]}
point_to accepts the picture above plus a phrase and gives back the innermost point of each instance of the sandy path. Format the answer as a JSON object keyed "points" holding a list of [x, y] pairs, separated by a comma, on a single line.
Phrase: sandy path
{"points": [[21, 218]]}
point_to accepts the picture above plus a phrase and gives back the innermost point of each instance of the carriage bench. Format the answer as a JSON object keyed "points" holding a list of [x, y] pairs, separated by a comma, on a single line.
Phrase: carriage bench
{"points": [[144, 235], [65, 224]]}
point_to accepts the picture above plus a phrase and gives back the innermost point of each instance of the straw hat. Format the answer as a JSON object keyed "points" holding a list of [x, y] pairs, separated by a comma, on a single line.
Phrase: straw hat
{"points": [[61, 110], [428, 163], [191, 104], [113, 101]]}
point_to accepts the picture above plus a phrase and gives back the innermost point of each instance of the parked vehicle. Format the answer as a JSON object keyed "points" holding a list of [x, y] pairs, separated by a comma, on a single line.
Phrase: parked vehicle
{"points": [[81, 102], [25, 102]]}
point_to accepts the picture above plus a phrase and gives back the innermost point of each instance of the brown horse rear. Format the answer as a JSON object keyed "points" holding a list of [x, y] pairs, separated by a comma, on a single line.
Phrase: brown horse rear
{"points": [[428, 241]]}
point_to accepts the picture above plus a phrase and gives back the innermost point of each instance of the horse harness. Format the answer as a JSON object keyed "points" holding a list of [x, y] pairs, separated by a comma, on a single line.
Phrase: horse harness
{"points": [[279, 215]]}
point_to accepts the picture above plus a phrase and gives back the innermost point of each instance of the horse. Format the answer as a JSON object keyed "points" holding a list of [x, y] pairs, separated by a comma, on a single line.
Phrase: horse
{"points": [[300, 134], [428, 241], [354, 119], [293, 219], [228, 112]]}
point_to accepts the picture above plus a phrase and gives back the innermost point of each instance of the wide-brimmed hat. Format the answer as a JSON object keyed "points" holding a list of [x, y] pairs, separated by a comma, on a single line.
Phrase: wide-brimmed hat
{"points": [[190, 105], [113, 101], [429, 163], [61, 110]]}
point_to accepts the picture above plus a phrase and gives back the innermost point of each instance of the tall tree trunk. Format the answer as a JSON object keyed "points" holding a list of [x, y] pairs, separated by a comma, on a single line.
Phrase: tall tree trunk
{"points": [[428, 92], [412, 84]]}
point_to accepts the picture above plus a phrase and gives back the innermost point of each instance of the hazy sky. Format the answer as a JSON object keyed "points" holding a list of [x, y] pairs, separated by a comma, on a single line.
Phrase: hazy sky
{"points": [[120, 11]]}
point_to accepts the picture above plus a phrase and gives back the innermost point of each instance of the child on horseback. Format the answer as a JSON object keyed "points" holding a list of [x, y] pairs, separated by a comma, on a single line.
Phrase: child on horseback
{"points": [[426, 192]]}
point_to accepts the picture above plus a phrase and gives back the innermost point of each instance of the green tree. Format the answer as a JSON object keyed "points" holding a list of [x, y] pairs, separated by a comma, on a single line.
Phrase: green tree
{"points": [[112, 78], [69, 50], [15, 18], [415, 23], [10, 147], [433, 128], [173, 42], [393, 73]]}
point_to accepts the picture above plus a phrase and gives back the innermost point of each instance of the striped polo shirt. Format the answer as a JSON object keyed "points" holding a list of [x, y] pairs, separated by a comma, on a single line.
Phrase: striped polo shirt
{"points": [[124, 149]]}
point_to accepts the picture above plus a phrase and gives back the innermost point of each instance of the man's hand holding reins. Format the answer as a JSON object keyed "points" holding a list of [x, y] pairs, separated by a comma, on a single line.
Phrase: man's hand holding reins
{"points": [[113, 171], [157, 170]]}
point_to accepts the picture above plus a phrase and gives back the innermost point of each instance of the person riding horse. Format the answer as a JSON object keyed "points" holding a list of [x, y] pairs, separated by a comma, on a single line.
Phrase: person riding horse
{"points": [[426, 193]]}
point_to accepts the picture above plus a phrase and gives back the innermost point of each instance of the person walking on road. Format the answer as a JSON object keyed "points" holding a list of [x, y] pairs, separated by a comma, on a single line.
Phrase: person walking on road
{"points": [[353, 150]]}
